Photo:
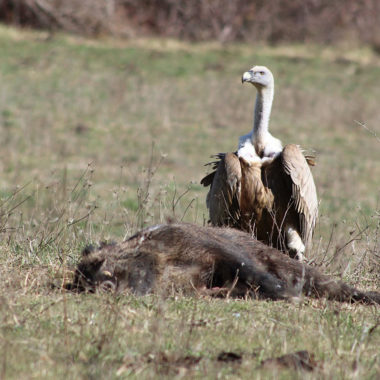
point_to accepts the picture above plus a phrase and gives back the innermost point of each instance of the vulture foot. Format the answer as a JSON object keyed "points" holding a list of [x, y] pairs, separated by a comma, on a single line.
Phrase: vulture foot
{"points": [[295, 244]]}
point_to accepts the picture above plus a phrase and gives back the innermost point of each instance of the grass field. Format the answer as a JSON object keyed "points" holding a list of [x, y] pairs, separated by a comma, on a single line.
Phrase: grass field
{"points": [[102, 137]]}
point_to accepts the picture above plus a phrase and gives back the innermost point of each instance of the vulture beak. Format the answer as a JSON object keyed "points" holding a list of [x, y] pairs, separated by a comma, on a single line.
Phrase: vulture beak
{"points": [[247, 76]]}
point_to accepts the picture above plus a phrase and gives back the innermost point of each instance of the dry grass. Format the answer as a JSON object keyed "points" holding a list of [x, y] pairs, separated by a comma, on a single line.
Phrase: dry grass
{"points": [[103, 138]]}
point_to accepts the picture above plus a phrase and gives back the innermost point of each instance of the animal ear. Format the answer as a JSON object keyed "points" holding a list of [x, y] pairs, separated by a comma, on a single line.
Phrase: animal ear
{"points": [[88, 249]]}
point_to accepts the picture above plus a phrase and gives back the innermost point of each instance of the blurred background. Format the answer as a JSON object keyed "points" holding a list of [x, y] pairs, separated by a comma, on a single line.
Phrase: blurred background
{"points": [[270, 21]]}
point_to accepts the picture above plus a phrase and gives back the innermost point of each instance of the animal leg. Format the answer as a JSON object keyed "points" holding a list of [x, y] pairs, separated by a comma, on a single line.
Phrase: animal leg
{"points": [[295, 244]]}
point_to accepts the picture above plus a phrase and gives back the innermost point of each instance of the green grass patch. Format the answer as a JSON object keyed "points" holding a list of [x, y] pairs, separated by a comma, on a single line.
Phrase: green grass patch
{"points": [[101, 138]]}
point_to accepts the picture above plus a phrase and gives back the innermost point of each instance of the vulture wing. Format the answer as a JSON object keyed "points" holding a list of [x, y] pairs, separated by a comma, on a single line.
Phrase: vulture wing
{"points": [[292, 183], [224, 194], [304, 192]]}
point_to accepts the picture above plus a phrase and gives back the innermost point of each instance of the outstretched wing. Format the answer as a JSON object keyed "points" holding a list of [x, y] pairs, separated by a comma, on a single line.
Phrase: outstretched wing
{"points": [[304, 192], [223, 198]]}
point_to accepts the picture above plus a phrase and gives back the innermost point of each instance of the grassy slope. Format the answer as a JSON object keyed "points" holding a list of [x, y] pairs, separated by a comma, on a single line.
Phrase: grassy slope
{"points": [[79, 119]]}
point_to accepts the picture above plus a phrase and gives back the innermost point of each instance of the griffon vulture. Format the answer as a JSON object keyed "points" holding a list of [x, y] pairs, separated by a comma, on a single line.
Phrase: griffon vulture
{"points": [[263, 187]]}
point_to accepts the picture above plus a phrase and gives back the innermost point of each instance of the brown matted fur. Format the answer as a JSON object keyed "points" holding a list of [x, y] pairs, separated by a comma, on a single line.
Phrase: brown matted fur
{"points": [[190, 258]]}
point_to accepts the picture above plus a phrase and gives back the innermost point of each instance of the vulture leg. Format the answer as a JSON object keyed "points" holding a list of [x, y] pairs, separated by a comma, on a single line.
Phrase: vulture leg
{"points": [[294, 244]]}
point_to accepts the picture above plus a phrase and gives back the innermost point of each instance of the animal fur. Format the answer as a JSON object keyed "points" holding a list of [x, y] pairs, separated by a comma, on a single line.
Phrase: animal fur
{"points": [[216, 261]]}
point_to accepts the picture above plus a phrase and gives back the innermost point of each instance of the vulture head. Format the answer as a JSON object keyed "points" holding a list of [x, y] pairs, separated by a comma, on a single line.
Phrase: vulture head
{"points": [[259, 76]]}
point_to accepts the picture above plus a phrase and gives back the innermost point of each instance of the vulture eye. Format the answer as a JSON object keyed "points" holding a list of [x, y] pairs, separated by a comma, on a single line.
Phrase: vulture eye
{"points": [[262, 72]]}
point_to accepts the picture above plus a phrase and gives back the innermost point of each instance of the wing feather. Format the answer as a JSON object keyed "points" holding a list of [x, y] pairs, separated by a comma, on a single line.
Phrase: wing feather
{"points": [[223, 198], [304, 192]]}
